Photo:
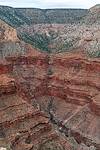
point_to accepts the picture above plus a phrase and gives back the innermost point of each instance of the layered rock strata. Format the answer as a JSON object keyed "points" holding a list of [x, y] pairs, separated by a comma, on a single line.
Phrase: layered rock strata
{"points": [[22, 127], [66, 87]]}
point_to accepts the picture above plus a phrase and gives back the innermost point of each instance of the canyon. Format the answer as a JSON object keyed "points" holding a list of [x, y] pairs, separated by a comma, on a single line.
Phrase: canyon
{"points": [[34, 87], [50, 99]]}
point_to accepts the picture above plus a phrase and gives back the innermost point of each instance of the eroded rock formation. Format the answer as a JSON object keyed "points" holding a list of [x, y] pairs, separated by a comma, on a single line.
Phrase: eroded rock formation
{"points": [[7, 33], [50, 100], [22, 127], [66, 87]]}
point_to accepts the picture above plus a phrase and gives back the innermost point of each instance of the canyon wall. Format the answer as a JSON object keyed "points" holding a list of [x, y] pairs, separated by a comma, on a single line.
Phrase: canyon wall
{"points": [[66, 88], [23, 127]]}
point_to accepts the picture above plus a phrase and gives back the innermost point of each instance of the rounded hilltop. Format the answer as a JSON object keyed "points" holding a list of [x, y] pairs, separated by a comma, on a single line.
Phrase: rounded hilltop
{"points": [[95, 8]]}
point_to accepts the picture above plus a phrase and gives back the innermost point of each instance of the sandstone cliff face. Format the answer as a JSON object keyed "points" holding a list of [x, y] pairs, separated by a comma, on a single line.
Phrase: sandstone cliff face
{"points": [[66, 87], [7, 33], [22, 127], [9, 42]]}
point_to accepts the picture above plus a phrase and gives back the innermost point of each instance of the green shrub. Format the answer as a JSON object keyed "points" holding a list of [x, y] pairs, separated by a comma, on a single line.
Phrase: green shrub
{"points": [[95, 54]]}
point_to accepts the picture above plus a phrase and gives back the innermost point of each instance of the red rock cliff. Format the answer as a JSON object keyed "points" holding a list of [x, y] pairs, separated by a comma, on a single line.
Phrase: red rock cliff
{"points": [[22, 127], [66, 87]]}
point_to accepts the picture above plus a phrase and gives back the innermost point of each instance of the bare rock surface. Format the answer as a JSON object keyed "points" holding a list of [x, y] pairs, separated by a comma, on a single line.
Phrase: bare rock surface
{"points": [[21, 125], [66, 87]]}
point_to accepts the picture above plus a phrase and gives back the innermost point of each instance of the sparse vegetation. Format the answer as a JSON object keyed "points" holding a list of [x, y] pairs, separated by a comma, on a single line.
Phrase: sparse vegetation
{"points": [[47, 35], [40, 41], [17, 17], [93, 54]]}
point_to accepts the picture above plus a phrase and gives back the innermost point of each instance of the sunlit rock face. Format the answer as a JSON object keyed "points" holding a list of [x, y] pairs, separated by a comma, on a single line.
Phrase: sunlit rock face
{"points": [[7, 33], [9, 42]]}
